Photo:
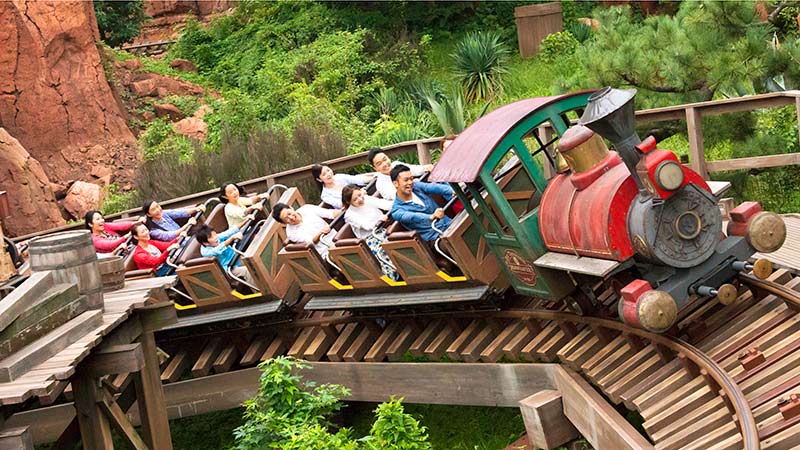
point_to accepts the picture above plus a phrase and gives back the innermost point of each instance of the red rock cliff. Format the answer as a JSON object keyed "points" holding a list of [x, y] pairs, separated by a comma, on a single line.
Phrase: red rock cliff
{"points": [[54, 96]]}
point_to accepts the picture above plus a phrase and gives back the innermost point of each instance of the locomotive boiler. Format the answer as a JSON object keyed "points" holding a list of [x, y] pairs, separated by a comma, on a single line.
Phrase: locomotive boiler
{"points": [[655, 219]]}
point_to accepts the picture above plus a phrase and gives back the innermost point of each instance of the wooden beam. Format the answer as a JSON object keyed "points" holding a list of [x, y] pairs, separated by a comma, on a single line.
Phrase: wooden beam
{"points": [[114, 360], [547, 426], [16, 439], [120, 423], [150, 396], [156, 316], [23, 296], [594, 417], [697, 155], [94, 426], [754, 162]]}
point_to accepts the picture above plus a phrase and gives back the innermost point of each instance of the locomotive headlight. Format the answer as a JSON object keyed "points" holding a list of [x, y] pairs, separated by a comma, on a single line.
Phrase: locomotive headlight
{"points": [[669, 175]]}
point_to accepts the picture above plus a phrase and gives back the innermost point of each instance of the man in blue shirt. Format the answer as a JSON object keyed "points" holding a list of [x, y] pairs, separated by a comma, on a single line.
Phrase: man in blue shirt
{"points": [[413, 207], [221, 246]]}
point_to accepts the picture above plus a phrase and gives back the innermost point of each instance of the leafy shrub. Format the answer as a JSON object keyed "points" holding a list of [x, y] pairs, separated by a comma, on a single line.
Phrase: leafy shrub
{"points": [[188, 104], [557, 45], [580, 31], [292, 415], [119, 21], [480, 61], [161, 138], [450, 113], [116, 201]]}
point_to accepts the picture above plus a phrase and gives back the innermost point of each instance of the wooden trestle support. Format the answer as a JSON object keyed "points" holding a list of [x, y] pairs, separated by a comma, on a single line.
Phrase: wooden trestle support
{"points": [[717, 388], [107, 370]]}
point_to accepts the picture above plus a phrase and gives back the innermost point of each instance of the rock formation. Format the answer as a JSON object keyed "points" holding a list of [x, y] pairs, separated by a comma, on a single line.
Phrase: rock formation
{"points": [[54, 96], [30, 196], [83, 197]]}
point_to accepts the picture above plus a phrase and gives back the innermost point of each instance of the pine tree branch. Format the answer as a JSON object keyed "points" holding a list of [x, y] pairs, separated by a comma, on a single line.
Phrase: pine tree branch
{"points": [[773, 16], [699, 85]]}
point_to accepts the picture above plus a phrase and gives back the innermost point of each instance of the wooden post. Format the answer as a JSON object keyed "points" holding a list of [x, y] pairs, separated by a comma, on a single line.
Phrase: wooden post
{"points": [[423, 153], [150, 395], [545, 422], [16, 439], [697, 151], [94, 426], [7, 269]]}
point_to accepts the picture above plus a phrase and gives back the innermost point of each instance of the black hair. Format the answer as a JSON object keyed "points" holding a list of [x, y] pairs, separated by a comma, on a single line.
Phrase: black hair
{"points": [[134, 228], [316, 171], [222, 197], [151, 224], [397, 170], [203, 233], [373, 152], [347, 193], [276, 211], [88, 218]]}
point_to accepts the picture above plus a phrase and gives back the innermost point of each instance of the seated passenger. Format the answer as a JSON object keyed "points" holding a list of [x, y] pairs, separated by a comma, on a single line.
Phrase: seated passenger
{"points": [[331, 185], [221, 246], [107, 237], [236, 206], [413, 208], [161, 222], [306, 225], [149, 253], [364, 213], [383, 166]]}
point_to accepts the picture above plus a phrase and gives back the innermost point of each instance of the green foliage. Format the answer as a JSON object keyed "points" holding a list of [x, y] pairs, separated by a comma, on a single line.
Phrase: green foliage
{"points": [[188, 104], [707, 46], [119, 21], [116, 201], [395, 430], [580, 31], [557, 45], [480, 61], [292, 415], [161, 138], [449, 112]]}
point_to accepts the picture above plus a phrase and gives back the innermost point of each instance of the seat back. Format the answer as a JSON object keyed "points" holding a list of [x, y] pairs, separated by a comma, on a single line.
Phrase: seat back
{"points": [[411, 256]]}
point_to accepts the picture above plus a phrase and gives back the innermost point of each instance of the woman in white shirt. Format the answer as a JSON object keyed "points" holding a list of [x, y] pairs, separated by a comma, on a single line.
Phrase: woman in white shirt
{"points": [[331, 184], [307, 225], [364, 213], [236, 206]]}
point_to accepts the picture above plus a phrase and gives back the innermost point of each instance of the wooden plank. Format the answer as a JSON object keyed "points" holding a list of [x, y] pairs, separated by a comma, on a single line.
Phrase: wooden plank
{"points": [[94, 426], [360, 346], [319, 344], [205, 361], [24, 332], [697, 155], [754, 162], [545, 422], [226, 358], [349, 334], [595, 419], [115, 360], [176, 366], [426, 337], [485, 336], [254, 351], [435, 350], [454, 350], [150, 398], [39, 351], [16, 439], [405, 337], [120, 423], [23, 296], [577, 264], [276, 348], [494, 350], [386, 340]]}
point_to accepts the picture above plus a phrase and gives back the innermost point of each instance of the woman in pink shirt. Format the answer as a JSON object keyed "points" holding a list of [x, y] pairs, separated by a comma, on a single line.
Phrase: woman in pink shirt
{"points": [[107, 236]]}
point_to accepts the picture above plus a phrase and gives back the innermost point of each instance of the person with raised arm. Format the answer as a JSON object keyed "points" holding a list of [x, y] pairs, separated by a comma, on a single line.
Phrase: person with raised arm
{"points": [[161, 222], [150, 253], [364, 213], [414, 208], [306, 225], [237, 206], [331, 184], [108, 236], [220, 246]]}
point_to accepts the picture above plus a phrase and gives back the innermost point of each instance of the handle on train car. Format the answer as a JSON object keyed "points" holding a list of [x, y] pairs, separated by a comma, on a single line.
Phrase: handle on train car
{"points": [[175, 254], [271, 189]]}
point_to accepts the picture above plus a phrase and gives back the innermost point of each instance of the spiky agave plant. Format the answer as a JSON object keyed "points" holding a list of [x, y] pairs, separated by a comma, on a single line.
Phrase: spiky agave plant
{"points": [[480, 62], [449, 112]]}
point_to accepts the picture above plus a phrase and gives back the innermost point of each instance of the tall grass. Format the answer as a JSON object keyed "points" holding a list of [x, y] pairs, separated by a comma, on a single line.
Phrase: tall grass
{"points": [[480, 62]]}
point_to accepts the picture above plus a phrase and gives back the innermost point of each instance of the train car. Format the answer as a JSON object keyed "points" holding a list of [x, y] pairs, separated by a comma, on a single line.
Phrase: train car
{"points": [[635, 217]]}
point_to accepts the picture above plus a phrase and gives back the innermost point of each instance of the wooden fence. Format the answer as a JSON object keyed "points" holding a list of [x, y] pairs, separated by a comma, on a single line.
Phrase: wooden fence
{"points": [[692, 113]]}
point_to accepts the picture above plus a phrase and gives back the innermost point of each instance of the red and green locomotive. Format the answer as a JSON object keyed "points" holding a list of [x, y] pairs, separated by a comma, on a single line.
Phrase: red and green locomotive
{"points": [[635, 217]]}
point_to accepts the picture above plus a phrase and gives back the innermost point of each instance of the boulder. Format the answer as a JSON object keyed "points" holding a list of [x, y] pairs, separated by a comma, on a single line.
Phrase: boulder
{"points": [[183, 65], [148, 116], [202, 111], [168, 110], [54, 96], [144, 88], [82, 197], [193, 128], [30, 193], [100, 171], [131, 64]]}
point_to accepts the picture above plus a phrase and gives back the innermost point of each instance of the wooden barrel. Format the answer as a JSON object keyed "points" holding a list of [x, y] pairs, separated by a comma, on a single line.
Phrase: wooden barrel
{"points": [[112, 272], [72, 259]]}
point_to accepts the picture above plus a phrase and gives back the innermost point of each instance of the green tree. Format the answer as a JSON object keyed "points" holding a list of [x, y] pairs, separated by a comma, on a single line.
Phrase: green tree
{"points": [[119, 21], [705, 48]]}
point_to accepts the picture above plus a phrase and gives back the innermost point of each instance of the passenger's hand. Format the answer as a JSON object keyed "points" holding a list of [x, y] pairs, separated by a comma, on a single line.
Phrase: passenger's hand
{"points": [[326, 230], [201, 207], [183, 234], [141, 219], [126, 236], [438, 214], [384, 218], [238, 236], [192, 222], [250, 217], [427, 167], [173, 247]]}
